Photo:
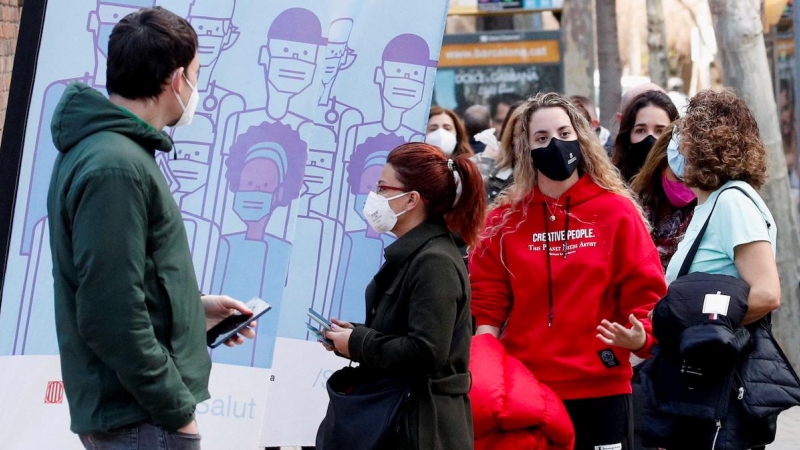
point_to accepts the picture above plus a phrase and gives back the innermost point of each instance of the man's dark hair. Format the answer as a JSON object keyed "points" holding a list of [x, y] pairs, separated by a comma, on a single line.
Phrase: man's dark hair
{"points": [[144, 49], [509, 98], [476, 119]]}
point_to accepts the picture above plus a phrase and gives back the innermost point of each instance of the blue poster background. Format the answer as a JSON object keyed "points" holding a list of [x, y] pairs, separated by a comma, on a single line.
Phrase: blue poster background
{"points": [[300, 102]]}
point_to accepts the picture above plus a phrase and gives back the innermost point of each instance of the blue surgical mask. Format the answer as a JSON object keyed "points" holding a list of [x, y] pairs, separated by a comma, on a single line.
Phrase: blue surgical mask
{"points": [[252, 206], [361, 200], [676, 161]]}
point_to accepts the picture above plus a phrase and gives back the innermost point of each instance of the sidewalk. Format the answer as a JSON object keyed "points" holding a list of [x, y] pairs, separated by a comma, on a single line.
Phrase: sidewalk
{"points": [[788, 437]]}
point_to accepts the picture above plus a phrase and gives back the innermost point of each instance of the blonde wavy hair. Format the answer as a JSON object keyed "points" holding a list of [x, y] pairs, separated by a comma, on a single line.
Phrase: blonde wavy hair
{"points": [[594, 162]]}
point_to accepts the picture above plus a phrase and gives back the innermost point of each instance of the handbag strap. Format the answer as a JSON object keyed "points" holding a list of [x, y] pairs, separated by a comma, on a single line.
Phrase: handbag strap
{"points": [[687, 262]]}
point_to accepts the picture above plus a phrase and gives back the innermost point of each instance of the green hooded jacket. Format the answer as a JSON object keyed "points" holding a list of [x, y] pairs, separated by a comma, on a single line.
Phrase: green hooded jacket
{"points": [[130, 323]]}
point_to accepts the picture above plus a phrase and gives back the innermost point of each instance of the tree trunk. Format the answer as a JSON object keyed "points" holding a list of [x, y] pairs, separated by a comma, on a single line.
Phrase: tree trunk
{"points": [[577, 35], [658, 65], [740, 40], [608, 60]]}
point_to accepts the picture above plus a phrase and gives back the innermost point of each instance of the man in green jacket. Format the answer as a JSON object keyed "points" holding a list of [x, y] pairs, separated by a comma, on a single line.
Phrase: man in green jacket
{"points": [[130, 321]]}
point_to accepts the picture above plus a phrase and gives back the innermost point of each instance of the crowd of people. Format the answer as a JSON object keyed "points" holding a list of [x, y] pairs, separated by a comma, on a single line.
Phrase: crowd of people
{"points": [[533, 247]]}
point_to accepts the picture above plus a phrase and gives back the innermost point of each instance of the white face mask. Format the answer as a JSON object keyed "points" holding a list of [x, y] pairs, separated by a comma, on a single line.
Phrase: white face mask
{"points": [[188, 109], [443, 139], [379, 213]]}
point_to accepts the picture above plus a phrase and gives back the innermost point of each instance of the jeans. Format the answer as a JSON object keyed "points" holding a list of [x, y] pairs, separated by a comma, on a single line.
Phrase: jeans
{"points": [[143, 436]]}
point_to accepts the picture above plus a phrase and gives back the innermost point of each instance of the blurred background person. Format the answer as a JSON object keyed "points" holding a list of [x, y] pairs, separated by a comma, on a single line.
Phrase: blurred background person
{"points": [[446, 131], [499, 105], [668, 203], [498, 172], [477, 118], [603, 133], [643, 121]]}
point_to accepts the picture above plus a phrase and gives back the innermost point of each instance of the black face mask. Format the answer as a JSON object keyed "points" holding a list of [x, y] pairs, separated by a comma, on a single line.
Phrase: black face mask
{"points": [[640, 150], [558, 160]]}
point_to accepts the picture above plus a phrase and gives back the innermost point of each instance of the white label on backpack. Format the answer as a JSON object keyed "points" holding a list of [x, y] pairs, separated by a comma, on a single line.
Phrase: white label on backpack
{"points": [[608, 447], [716, 304]]}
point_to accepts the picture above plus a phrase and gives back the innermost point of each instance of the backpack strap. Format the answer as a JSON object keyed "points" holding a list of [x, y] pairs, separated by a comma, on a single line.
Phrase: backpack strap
{"points": [[687, 262]]}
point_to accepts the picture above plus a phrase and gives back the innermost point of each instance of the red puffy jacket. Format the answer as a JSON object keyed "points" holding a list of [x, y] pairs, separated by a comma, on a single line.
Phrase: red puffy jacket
{"points": [[511, 409]]}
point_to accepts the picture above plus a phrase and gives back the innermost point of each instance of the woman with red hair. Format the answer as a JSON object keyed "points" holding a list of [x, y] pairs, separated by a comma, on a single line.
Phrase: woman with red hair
{"points": [[418, 327]]}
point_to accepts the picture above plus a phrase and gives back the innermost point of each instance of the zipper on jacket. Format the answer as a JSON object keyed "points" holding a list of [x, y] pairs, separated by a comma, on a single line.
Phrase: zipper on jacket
{"points": [[737, 381]]}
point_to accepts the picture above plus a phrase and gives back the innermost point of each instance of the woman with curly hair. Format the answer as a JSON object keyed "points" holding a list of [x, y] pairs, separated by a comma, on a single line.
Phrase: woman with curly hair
{"points": [[668, 204], [720, 147], [722, 159], [566, 273], [643, 121]]}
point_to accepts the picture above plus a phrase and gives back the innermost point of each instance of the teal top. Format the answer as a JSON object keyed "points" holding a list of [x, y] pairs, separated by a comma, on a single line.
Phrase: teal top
{"points": [[737, 220]]}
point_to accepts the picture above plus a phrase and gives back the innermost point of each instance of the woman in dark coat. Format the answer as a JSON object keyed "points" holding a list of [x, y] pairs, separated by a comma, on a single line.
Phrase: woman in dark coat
{"points": [[418, 324]]}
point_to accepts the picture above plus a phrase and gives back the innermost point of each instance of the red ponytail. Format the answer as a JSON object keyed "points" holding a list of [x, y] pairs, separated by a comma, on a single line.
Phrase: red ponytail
{"points": [[425, 169]]}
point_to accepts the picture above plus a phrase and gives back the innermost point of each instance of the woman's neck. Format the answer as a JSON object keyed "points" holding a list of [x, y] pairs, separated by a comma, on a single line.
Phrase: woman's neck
{"points": [[403, 226], [555, 189], [701, 195]]}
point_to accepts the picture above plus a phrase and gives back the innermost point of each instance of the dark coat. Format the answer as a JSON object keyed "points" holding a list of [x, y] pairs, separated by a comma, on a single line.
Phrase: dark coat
{"points": [[714, 380], [418, 327]]}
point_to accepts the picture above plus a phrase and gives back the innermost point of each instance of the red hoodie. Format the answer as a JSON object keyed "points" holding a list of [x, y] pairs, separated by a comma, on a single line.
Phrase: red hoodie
{"points": [[551, 306]]}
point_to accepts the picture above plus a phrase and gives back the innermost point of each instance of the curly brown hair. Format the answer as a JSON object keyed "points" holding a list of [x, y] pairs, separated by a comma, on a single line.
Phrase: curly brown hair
{"points": [[721, 141]]}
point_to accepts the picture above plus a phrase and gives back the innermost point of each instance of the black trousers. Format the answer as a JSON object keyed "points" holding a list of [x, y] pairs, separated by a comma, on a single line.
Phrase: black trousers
{"points": [[603, 423]]}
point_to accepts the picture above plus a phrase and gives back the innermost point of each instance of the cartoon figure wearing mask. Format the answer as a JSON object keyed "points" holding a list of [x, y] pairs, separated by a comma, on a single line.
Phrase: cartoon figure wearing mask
{"points": [[289, 59], [401, 77], [194, 169], [338, 57], [37, 302], [331, 112], [362, 248], [311, 270], [264, 172]]}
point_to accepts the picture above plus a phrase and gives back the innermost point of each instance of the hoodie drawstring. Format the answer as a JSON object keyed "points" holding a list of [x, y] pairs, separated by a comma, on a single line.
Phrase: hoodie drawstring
{"points": [[549, 269], [547, 254], [566, 229]]}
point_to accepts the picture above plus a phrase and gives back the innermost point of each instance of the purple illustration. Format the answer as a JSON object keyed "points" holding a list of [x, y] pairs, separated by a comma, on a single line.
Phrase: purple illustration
{"points": [[318, 238], [37, 294], [101, 22], [290, 57], [194, 169], [338, 57], [402, 78], [362, 249], [332, 112], [264, 172]]}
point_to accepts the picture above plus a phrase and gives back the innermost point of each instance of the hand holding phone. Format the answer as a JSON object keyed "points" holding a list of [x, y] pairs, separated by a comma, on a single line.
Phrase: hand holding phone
{"points": [[235, 323]]}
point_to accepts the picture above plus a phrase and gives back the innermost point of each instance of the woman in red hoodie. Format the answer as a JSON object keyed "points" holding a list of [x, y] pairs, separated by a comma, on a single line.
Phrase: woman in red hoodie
{"points": [[566, 272]]}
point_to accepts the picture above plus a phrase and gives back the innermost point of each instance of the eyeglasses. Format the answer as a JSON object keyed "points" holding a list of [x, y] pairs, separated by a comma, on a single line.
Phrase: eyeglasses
{"points": [[384, 187]]}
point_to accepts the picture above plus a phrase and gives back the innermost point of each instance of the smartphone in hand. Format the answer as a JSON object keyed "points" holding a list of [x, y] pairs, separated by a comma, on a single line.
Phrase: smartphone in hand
{"points": [[320, 337], [235, 323], [317, 317]]}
